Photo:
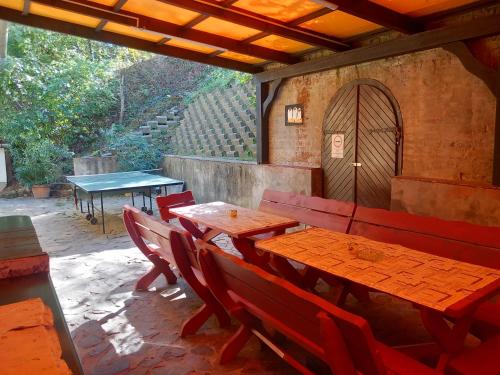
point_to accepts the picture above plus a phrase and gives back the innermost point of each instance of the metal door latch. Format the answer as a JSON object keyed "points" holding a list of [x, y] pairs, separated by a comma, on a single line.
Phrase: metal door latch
{"points": [[356, 164]]}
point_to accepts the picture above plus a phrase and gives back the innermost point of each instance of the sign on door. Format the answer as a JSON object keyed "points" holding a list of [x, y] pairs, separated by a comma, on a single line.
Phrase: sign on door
{"points": [[338, 146]]}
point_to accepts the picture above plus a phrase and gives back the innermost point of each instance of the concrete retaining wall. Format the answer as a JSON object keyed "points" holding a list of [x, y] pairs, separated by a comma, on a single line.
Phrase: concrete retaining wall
{"points": [[240, 183], [448, 200], [94, 165]]}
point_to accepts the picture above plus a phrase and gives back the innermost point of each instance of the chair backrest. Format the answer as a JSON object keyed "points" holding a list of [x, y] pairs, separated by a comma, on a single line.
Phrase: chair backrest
{"points": [[341, 339], [451, 239], [170, 242], [165, 203], [314, 211]]}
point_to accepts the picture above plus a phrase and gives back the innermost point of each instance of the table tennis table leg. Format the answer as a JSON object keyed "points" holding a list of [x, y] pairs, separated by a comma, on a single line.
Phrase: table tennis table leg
{"points": [[133, 201], [150, 212], [102, 215]]}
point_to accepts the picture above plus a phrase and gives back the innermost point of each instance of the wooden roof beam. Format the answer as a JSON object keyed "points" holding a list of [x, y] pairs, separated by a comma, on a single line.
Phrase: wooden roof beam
{"points": [[178, 31], [16, 16], [375, 13], [256, 21]]}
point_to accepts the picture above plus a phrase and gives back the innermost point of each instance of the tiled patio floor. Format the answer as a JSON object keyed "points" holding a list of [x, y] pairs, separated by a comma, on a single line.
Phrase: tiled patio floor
{"points": [[118, 330]]}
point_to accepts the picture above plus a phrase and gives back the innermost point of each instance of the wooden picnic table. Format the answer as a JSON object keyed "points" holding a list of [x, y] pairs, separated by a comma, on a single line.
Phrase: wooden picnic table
{"points": [[24, 274], [439, 287], [215, 216]]}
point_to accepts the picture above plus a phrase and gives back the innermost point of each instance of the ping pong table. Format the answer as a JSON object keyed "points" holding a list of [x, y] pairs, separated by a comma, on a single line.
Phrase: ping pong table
{"points": [[143, 182]]}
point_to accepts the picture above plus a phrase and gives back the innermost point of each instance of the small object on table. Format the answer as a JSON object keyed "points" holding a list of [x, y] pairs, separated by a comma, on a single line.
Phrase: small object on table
{"points": [[233, 213]]}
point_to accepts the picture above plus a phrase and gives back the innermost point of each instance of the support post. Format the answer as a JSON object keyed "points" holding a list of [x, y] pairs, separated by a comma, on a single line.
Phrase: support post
{"points": [[496, 146], [265, 94]]}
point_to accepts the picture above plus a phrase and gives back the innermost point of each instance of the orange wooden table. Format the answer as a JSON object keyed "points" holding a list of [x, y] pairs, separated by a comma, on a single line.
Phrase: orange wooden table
{"points": [[440, 287], [247, 222]]}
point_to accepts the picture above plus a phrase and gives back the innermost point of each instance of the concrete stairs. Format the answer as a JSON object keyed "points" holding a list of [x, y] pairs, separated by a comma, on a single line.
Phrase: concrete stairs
{"points": [[219, 124]]}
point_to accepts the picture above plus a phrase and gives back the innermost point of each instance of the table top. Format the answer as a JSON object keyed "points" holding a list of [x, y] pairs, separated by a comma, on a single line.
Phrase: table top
{"points": [[120, 181], [247, 222], [40, 285], [425, 279], [18, 237]]}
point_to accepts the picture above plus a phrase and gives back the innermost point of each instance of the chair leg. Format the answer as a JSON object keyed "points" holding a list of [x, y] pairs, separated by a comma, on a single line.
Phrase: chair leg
{"points": [[164, 268], [234, 345], [146, 280]]}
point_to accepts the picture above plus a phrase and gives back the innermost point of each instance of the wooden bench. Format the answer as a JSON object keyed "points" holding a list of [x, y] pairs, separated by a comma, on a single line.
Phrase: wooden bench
{"points": [[164, 244], [343, 341], [450, 239], [312, 211]]}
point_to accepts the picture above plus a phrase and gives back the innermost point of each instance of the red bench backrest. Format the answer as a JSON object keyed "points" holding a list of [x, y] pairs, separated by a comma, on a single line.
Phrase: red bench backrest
{"points": [[452, 239], [314, 211], [170, 242], [341, 339], [165, 203]]}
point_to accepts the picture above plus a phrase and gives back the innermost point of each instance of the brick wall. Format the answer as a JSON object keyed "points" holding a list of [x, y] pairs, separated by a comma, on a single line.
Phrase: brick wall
{"points": [[448, 114]]}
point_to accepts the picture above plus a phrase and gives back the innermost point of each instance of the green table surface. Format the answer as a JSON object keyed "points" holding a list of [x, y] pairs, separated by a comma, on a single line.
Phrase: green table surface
{"points": [[120, 181], [18, 237]]}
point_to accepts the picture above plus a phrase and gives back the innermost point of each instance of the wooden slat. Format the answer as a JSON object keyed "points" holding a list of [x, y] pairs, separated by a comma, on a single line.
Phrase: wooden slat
{"points": [[122, 40], [256, 21], [480, 27]]}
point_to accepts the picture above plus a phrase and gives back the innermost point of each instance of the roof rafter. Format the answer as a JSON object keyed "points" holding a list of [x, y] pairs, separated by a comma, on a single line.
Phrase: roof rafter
{"points": [[256, 21], [375, 13], [123, 40], [174, 30]]}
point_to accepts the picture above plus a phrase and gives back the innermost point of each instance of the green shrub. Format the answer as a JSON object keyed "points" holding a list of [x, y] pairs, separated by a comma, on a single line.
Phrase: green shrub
{"points": [[132, 150], [41, 162]]}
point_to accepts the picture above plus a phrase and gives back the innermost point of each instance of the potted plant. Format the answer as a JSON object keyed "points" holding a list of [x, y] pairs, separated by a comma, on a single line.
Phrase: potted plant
{"points": [[38, 167]]}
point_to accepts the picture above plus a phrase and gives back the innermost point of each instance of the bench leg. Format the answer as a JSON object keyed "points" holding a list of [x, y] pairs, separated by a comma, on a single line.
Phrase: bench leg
{"points": [[231, 349], [161, 266], [193, 324]]}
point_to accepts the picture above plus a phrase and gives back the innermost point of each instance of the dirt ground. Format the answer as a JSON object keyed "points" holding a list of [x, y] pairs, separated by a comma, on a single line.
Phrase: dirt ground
{"points": [[118, 330]]}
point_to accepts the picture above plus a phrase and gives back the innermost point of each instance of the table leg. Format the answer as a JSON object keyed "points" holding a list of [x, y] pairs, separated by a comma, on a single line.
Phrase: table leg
{"points": [[133, 201], [92, 203], [102, 214], [75, 197], [150, 211], [247, 249], [450, 339]]}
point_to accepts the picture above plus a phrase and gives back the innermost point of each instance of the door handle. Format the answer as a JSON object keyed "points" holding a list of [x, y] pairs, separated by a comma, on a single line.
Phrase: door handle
{"points": [[356, 164]]}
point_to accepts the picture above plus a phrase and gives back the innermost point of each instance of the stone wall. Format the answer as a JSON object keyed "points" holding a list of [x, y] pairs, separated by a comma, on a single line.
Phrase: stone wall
{"points": [[240, 183], [94, 165], [448, 200], [448, 114]]}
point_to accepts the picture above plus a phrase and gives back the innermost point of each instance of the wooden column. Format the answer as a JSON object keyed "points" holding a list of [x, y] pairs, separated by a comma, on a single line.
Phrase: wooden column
{"points": [[3, 39], [265, 95], [496, 149]]}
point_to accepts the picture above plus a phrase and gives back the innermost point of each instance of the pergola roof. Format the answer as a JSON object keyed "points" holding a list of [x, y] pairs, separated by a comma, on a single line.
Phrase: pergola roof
{"points": [[237, 34]]}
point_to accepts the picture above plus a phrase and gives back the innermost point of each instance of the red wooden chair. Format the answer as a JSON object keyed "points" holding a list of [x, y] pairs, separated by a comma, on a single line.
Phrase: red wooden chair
{"points": [[186, 198], [340, 339], [451, 239], [164, 244]]}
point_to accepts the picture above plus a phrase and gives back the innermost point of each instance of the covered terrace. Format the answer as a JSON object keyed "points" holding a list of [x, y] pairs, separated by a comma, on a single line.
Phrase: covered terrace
{"points": [[378, 124]]}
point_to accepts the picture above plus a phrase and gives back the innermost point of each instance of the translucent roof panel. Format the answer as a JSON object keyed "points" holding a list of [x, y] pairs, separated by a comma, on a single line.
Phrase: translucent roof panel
{"points": [[241, 57], [160, 10], [282, 44], [190, 45], [340, 25], [12, 4], [418, 8], [224, 28], [283, 10], [133, 32]]}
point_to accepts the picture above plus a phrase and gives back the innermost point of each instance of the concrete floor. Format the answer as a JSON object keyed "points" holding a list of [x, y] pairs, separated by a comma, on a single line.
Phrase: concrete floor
{"points": [[118, 330]]}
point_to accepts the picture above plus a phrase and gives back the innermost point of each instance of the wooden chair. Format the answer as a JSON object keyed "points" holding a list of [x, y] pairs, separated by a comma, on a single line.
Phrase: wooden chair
{"points": [[340, 339], [450, 239], [186, 198], [164, 244]]}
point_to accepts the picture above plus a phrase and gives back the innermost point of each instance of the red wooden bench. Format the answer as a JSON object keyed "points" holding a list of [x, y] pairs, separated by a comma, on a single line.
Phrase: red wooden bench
{"points": [[186, 198], [313, 211], [451, 239], [340, 339], [164, 244]]}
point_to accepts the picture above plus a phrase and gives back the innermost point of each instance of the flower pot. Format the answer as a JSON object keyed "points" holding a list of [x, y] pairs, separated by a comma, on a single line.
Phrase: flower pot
{"points": [[40, 191]]}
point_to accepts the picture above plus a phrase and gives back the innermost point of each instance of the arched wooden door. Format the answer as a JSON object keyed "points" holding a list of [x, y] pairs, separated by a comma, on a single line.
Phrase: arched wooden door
{"points": [[361, 144]]}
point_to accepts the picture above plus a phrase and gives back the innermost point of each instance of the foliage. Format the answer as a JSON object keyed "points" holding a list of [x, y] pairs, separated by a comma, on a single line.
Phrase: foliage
{"points": [[215, 79], [41, 163], [57, 90], [132, 150]]}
